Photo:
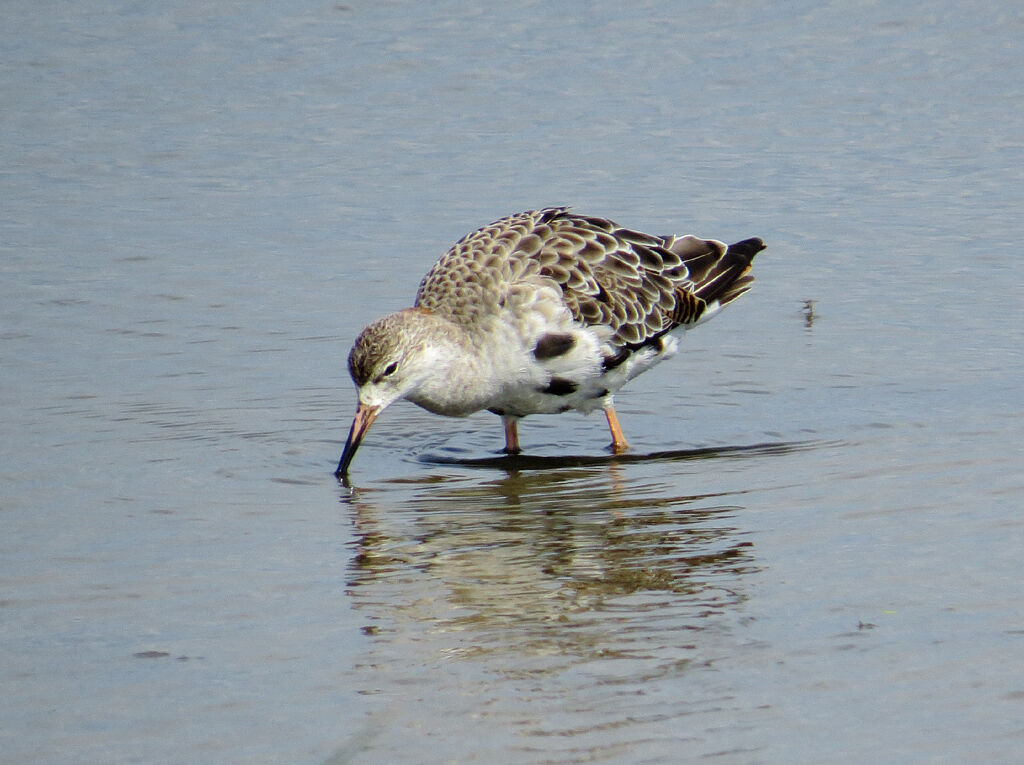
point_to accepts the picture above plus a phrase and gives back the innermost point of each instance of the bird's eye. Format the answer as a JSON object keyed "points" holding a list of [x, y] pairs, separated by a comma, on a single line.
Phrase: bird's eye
{"points": [[390, 369]]}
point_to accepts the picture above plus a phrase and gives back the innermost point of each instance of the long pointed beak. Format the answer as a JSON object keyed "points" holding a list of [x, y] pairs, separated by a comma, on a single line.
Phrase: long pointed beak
{"points": [[365, 415]]}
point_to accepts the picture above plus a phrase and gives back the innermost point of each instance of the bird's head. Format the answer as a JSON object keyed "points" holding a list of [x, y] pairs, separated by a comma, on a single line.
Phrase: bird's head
{"points": [[389, 361]]}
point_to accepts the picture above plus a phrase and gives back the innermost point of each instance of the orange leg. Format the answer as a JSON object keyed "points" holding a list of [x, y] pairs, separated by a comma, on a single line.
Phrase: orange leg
{"points": [[619, 442], [511, 435]]}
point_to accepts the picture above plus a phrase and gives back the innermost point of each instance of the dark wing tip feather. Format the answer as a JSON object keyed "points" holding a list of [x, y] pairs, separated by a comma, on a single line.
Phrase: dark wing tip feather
{"points": [[748, 247], [729, 277]]}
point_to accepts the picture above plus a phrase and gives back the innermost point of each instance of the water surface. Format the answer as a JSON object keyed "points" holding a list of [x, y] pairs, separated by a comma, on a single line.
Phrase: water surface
{"points": [[811, 554]]}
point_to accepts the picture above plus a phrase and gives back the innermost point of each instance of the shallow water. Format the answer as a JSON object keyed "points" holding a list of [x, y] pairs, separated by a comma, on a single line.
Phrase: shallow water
{"points": [[811, 554]]}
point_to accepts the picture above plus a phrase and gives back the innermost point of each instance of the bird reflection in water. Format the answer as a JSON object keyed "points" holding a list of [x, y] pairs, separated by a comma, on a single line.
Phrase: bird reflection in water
{"points": [[571, 558]]}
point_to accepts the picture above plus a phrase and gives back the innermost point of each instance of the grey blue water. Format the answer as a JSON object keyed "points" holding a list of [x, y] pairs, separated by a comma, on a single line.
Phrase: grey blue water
{"points": [[812, 553]]}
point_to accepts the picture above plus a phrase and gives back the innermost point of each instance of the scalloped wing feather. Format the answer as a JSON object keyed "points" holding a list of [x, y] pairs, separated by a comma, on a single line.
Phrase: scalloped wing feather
{"points": [[640, 286]]}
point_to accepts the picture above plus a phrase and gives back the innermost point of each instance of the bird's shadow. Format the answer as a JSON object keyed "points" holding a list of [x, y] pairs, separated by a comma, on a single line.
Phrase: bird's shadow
{"points": [[514, 462]]}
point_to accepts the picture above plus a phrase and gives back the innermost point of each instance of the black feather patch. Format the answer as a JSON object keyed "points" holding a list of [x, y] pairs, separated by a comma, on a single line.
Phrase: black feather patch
{"points": [[553, 344], [610, 362], [559, 386]]}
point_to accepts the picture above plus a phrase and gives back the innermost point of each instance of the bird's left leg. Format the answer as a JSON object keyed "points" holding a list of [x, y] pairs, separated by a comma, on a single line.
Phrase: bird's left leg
{"points": [[511, 435], [619, 443]]}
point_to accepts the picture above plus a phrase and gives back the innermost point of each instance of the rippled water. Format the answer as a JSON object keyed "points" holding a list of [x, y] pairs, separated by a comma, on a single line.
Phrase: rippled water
{"points": [[811, 554]]}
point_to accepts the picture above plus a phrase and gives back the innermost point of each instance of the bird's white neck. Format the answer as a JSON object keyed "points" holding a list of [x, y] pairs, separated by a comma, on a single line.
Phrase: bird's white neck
{"points": [[453, 356]]}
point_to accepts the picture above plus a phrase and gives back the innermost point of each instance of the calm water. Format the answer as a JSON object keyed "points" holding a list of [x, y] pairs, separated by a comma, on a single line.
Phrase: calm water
{"points": [[813, 552]]}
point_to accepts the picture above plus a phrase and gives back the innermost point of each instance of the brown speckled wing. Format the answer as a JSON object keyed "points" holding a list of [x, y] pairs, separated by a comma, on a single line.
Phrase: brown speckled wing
{"points": [[639, 285]]}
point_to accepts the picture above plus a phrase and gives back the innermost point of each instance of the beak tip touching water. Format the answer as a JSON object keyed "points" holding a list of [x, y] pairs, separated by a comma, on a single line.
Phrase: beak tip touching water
{"points": [[365, 415], [342, 472]]}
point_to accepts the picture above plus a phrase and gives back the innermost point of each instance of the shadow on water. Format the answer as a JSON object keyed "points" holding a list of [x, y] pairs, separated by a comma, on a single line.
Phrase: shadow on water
{"points": [[515, 462]]}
